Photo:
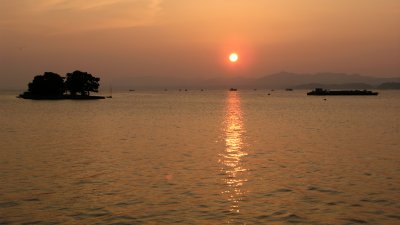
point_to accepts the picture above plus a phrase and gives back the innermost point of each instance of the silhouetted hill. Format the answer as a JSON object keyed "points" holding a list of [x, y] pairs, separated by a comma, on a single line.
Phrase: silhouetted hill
{"points": [[389, 85], [361, 86], [286, 79], [280, 80]]}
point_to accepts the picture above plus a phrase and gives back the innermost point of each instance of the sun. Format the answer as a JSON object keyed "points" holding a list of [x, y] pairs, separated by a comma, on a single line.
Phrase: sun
{"points": [[233, 57]]}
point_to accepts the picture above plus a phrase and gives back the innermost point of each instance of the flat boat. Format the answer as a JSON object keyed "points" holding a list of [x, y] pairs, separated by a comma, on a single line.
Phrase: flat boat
{"points": [[320, 91]]}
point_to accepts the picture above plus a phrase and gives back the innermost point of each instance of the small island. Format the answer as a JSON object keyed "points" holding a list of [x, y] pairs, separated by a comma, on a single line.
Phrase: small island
{"points": [[51, 86], [320, 91]]}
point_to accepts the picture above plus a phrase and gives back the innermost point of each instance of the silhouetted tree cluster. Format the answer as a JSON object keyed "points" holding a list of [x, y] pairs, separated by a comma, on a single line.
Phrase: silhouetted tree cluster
{"points": [[48, 84], [81, 82], [52, 85]]}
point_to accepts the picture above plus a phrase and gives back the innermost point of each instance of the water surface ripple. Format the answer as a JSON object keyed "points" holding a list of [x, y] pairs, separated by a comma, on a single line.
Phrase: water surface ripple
{"points": [[211, 157]]}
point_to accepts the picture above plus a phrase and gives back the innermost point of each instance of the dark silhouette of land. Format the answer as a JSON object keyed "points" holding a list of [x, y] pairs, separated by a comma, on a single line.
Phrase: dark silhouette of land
{"points": [[79, 85], [51, 86], [281, 80], [389, 85], [320, 91]]}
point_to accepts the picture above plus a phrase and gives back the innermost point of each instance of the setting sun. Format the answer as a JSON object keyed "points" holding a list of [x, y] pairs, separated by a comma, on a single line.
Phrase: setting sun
{"points": [[233, 57]]}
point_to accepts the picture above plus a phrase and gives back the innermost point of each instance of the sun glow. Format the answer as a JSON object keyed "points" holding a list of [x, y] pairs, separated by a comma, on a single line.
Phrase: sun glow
{"points": [[233, 57]]}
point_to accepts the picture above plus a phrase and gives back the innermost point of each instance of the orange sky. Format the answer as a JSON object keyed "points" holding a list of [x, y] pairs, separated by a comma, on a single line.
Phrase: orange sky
{"points": [[117, 38]]}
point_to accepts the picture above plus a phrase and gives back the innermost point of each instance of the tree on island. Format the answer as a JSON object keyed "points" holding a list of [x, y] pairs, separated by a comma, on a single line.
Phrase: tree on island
{"points": [[52, 86], [81, 82], [48, 84]]}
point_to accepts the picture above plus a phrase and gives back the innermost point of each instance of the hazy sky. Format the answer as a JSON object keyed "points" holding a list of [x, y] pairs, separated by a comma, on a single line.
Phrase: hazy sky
{"points": [[191, 38]]}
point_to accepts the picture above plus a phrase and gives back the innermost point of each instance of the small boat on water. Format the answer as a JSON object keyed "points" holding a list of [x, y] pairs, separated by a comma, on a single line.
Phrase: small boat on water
{"points": [[320, 91], [289, 89], [233, 89]]}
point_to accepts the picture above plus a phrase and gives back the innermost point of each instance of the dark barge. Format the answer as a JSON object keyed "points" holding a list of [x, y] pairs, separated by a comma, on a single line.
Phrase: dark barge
{"points": [[320, 91]]}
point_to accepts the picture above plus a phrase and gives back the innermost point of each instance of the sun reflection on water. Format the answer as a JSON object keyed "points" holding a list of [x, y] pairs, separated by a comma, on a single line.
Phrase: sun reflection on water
{"points": [[231, 158]]}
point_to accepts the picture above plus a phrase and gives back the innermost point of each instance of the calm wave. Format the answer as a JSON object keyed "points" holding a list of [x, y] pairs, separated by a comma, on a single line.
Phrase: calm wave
{"points": [[212, 157]]}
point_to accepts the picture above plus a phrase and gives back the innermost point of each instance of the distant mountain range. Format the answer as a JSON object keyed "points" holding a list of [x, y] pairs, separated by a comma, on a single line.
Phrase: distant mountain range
{"points": [[280, 80], [324, 80]]}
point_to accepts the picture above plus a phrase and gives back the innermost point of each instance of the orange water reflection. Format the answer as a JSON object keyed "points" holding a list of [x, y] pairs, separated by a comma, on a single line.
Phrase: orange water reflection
{"points": [[231, 158]]}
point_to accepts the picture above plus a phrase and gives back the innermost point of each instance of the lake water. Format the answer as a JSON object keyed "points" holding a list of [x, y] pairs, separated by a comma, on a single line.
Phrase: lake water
{"points": [[212, 157]]}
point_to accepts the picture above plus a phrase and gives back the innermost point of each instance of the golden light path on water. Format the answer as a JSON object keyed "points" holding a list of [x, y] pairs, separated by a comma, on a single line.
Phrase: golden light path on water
{"points": [[231, 158]]}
